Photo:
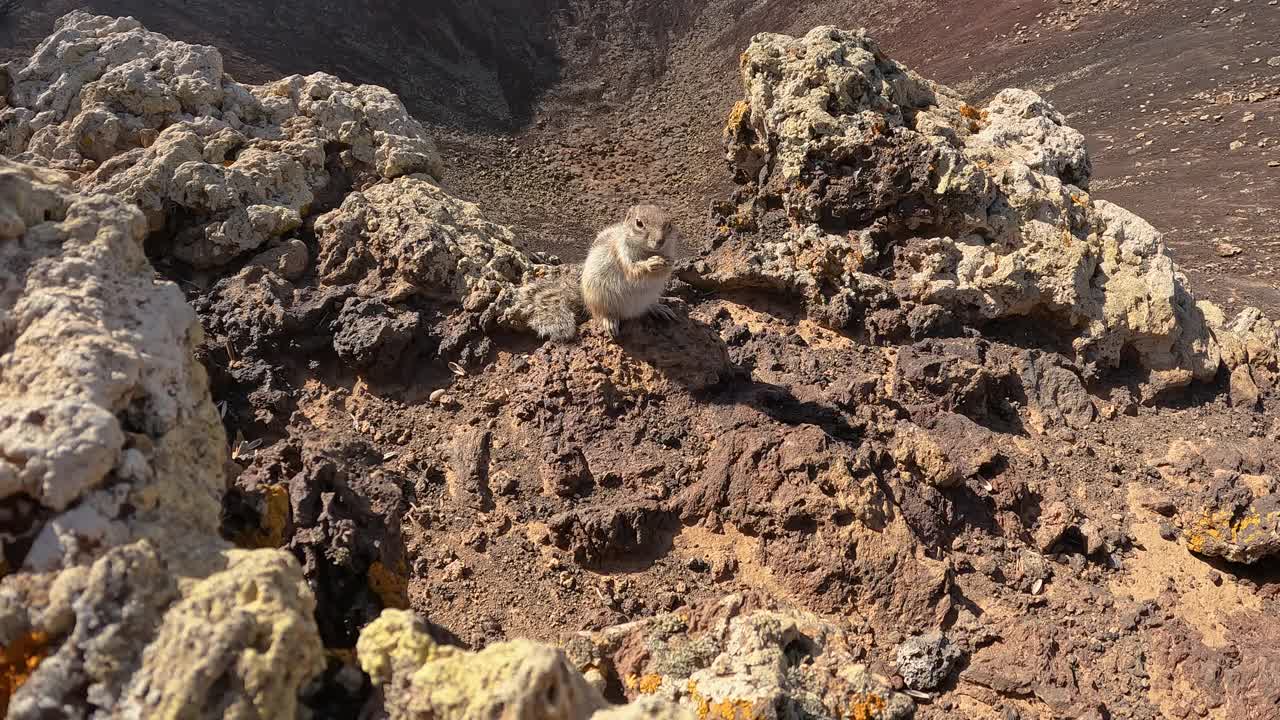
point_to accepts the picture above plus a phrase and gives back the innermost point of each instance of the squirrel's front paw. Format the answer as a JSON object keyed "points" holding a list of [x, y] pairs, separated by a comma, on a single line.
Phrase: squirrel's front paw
{"points": [[652, 264], [611, 326]]}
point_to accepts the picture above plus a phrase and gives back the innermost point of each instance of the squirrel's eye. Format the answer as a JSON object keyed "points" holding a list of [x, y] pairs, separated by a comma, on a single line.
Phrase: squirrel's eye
{"points": [[639, 224]]}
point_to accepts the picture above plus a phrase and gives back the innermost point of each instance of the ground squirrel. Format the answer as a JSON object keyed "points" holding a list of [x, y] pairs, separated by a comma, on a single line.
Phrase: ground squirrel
{"points": [[623, 277]]}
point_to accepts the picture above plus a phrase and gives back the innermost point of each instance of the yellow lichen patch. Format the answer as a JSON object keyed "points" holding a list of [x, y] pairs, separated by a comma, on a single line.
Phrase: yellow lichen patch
{"points": [[1210, 527], [391, 586], [729, 710], [738, 112], [866, 706], [1080, 199], [1221, 527], [722, 709], [646, 684], [275, 516], [17, 661], [1203, 530]]}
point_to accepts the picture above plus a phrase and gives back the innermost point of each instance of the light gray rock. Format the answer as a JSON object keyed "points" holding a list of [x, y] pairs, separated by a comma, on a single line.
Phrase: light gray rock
{"points": [[895, 191], [925, 661], [156, 122], [408, 237], [128, 602], [517, 679], [742, 663]]}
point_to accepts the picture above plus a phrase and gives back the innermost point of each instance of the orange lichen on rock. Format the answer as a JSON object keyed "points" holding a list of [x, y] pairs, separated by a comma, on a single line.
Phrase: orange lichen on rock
{"points": [[270, 532], [646, 684], [727, 710], [1246, 537], [736, 115], [392, 587], [975, 116], [722, 709], [866, 706], [17, 661]]}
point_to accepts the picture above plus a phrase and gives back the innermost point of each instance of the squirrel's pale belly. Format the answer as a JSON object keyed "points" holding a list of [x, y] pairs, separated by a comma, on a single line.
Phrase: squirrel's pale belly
{"points": [[607, 293]]}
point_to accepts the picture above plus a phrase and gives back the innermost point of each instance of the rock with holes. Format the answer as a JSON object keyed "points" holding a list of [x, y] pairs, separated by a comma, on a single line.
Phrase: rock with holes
{"points": [[925, 661], [868, 190], [123, 594], [418, 678], [728, 660], [102, 406], [368, 334], [129, 640], [408, 238], [248, 626], [218, 168]]}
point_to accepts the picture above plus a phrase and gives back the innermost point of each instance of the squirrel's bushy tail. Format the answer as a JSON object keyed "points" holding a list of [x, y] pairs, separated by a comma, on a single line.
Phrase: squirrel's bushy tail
{"points": [[553, 305]]}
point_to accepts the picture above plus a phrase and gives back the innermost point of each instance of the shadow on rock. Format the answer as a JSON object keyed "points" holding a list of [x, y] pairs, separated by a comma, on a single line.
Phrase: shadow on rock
{"points": [[684, 351]]}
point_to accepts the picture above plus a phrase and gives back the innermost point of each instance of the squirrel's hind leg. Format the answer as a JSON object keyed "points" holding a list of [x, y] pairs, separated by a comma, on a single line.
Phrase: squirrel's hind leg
{"points": [[661, 312]]}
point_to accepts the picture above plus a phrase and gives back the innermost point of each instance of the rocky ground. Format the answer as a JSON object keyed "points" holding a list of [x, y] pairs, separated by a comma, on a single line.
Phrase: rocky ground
{"points": [[940, 429]]}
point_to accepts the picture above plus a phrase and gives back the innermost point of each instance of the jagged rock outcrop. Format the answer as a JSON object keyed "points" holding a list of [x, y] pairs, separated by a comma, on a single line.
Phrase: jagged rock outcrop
{"points": [[1228, 499], [725, 660], [418, 678], [408, 239], [105, 418], [218, 168], [718, 661], [892, 194], [111, 477]]}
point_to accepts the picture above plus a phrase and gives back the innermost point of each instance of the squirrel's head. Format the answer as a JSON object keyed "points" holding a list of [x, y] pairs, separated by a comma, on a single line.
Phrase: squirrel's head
{"points": [[649, 227]]}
